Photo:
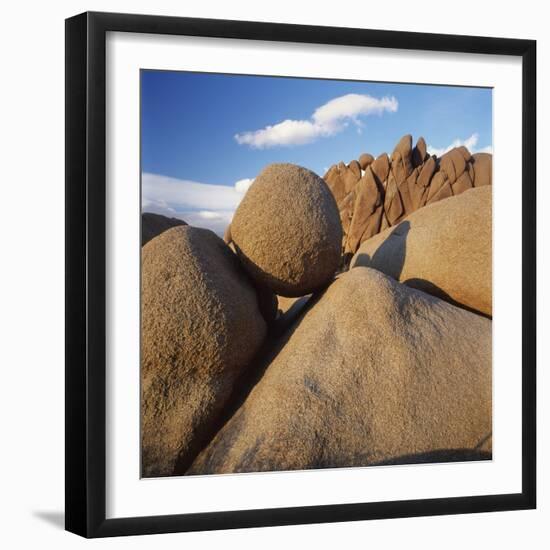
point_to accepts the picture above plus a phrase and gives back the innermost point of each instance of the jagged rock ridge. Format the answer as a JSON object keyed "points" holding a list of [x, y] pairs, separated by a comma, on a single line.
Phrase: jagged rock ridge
{"points": [[374, 194]]}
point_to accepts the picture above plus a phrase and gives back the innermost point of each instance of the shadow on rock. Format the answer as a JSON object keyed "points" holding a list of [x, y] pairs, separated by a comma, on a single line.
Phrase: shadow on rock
{"points": [[440, 455], [390, 254], [432, 289]]}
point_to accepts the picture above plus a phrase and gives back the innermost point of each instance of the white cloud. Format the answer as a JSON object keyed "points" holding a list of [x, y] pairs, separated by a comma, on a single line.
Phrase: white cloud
{"points": [[198, 204], [352, 106], [288, 132], [327, 120], [242, 186], [215, 221], [470, 143], [210, 215]]}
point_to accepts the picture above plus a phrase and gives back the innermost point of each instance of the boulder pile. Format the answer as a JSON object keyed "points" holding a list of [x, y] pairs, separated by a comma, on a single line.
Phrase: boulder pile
{"points": [[374, 194], [264, 352], [373, 373]]}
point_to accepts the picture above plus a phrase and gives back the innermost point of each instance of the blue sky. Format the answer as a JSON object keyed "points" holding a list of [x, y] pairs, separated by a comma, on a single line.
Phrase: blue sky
{"points": [[204, 137]]}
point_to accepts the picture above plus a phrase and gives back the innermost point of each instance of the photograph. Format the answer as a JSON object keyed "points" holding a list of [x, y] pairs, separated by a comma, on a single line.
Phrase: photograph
{"points": [[316, 273], [253, 255]]}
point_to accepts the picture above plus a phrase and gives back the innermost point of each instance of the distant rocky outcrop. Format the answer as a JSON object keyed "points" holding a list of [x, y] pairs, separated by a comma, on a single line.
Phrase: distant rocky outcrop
{"points": [[200, 327], [386, 190], [373, 373], [286, 230], [154, 224], [443, 249]]}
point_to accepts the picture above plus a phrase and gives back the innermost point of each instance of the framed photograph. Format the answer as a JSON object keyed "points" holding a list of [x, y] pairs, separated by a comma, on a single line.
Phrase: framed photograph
{"points": [[300, 274]]}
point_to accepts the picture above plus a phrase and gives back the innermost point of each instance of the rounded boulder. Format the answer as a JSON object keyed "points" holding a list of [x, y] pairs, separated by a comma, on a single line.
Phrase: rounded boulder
{"points": [[444, 249], [287, 230], [365, 159], [374, 373], [200, 326]]}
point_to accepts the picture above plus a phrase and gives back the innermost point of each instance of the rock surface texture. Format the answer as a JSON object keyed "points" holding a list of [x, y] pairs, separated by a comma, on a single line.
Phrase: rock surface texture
{"points": [[405, 182], [443, 249], [374, 372], [201, 325], [287, 231]]}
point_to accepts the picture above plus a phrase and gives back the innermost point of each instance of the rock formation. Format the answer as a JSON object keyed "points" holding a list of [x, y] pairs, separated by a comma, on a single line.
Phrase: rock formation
{"points": [[154, 224], [200, 326], [287, 230], [368, 209], [483, 168], [365, 159], [407, 181], [443, 249], [374, 372], [264, 352]]}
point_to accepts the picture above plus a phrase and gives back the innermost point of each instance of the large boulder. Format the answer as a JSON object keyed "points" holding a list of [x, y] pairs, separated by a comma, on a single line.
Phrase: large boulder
{"points": [[287, 230], [154, 224], [444, 249], [200, 326], [373, 373]]}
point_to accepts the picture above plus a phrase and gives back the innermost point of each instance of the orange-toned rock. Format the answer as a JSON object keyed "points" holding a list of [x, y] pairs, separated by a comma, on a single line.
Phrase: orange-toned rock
{"points": [[401, 159], [453, 176], [483, 169], [365, 159], [411, 180], [346, 211], [381, 167], [439, 188], [367, 211], [393, 205], [355, 167], [420, 152], [335, 181], [427, 170], [416, 191], [341, 179]]}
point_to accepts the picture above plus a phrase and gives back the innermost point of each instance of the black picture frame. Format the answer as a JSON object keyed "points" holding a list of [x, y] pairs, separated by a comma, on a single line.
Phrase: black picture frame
{"points": [[86, 284]]}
